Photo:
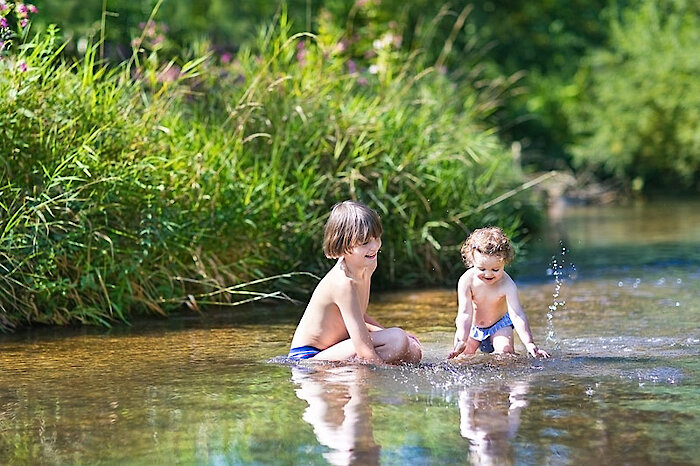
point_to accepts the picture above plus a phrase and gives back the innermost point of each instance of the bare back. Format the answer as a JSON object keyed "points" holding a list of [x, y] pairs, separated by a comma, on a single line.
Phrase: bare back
{"points": [[322, 324]]}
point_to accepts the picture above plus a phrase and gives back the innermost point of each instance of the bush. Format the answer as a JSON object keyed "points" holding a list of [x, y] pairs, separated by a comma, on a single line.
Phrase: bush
{"points": [[638, 118]]}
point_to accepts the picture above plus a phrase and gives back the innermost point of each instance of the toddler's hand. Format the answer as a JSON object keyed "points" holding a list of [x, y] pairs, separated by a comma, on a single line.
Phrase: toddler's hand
{"points": [[534, 351], [460, 346]]}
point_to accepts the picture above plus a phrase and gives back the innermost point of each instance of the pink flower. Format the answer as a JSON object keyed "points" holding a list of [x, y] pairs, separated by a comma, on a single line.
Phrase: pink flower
{"points": [[169, 74], [301, 53], [3, 6], [22, 66], [24, 22], [3, 22], [32, 8], [21, 8], [225, 57]]}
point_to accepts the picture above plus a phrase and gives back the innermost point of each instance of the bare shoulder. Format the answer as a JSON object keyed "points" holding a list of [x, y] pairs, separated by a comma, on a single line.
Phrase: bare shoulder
{"points": [[508, 284], [465, 280], [336, 283]]}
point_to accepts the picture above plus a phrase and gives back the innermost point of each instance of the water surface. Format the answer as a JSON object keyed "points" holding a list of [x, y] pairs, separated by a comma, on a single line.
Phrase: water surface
{"points": [[622, 387]]}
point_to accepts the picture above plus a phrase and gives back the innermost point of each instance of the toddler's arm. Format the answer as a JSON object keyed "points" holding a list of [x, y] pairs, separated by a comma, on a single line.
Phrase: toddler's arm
{"points": [[463, 322], [520, 322]]}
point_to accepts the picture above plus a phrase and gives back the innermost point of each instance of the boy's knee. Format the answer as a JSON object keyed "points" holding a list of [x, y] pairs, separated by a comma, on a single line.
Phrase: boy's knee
{"points": [[400, 343], [399, 336]]}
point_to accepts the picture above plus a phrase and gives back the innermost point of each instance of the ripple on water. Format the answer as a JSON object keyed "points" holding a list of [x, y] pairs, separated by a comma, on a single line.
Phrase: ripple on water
{"points": [[633, 346], [656, 375]]}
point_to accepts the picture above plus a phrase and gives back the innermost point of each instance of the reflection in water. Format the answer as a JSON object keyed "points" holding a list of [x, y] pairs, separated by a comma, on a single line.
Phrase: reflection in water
{"points": [[489, 418], [339, 411]]}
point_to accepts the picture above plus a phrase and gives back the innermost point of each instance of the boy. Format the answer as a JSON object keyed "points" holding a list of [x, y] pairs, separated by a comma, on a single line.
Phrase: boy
{"points": [[488, 303], [335, 325]]}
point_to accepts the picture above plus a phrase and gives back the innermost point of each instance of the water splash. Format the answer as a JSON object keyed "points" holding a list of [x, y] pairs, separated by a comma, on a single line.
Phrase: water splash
{"points": [[558, 271]]}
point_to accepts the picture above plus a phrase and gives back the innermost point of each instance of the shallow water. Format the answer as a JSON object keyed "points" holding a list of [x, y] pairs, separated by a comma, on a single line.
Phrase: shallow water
{"points": [[622, 387]]}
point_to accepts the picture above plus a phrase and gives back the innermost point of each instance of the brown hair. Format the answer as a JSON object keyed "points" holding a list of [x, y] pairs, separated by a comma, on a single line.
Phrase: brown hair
{"points": [[349, 224], [490, 241]]}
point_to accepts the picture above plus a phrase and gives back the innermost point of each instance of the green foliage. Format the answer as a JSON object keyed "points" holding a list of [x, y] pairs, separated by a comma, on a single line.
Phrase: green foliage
{"points": [[150, 185], [638, 119]]}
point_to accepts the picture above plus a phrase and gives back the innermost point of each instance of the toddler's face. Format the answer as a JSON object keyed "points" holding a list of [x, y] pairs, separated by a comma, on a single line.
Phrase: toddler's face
{"points": [[489, 269]]}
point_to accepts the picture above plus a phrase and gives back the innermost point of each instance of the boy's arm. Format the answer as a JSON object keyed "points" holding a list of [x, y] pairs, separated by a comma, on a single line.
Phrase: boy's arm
{"points": [[372, 324], [520, 322], [463, 322], [353, 317]]}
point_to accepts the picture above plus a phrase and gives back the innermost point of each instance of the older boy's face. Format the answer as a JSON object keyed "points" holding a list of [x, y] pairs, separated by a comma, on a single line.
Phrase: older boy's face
{"points": [[489, 269], [367, 252]]}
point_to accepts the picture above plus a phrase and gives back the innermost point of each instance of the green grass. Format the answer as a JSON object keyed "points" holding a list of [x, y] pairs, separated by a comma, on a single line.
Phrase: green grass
{"points": [[122, 193]]}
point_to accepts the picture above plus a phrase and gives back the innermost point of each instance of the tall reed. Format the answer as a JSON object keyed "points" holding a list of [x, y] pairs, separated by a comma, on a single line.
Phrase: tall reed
{"points": [[123, 191]]}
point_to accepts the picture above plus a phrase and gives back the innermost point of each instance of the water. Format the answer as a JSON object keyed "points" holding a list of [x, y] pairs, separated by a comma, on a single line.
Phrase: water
{"points": [[622, 387]]}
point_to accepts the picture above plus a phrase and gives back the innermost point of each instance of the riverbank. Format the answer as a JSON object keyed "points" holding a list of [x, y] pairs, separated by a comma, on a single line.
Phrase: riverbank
{"points": [[127, 192]]}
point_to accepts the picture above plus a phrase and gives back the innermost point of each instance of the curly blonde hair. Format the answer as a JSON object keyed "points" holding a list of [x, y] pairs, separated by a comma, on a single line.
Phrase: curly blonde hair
{"points": [[490, 241]]}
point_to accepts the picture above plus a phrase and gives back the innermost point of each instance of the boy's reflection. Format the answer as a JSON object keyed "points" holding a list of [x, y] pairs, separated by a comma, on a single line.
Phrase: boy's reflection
{"points": [[489, 418], [339, 411]]}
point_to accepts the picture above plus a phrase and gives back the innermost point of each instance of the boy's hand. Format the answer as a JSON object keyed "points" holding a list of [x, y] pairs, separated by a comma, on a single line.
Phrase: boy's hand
{"points": [[414, 338], [534, 351]]}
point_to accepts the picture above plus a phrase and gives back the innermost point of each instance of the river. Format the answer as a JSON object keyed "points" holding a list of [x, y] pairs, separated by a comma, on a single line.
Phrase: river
{"points": [[611, 291]]}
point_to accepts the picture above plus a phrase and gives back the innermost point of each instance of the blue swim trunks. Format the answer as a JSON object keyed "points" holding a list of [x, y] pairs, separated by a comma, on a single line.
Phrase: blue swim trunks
{"points": [[303, 352], [484, 334]]}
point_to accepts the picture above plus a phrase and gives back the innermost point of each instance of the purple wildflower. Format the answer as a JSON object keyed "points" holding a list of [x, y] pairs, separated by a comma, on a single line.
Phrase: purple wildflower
{"points": [[23, 22], [301, 53], [21, 8], [169, 74], [22, 66], [32, 8], [3, 22]]}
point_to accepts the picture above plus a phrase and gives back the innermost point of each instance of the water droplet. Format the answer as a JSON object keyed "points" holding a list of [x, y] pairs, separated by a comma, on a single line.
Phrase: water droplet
{"points": [[620, 284], [678, 304]]}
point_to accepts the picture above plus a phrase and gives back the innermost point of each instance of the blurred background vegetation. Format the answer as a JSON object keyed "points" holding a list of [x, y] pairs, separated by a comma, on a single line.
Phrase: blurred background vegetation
{"points": [[161, 154]]}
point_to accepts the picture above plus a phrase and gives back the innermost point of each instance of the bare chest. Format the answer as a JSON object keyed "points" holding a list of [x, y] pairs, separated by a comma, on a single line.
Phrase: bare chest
{"points": [[489, 306]]}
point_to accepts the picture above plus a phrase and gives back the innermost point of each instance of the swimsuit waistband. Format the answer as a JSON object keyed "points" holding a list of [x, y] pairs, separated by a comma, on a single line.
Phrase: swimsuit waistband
{"points": [[303, 352]]}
